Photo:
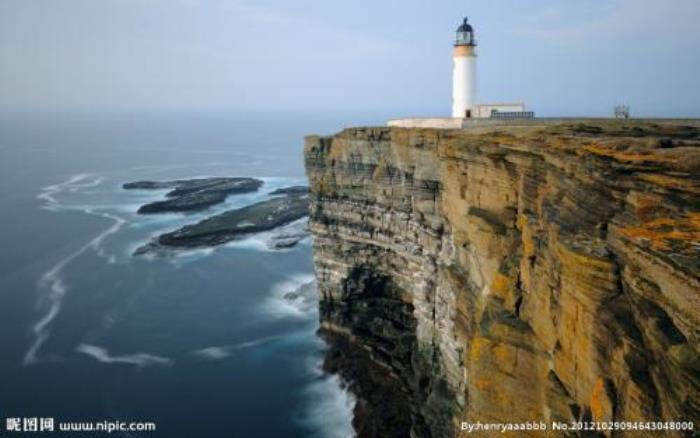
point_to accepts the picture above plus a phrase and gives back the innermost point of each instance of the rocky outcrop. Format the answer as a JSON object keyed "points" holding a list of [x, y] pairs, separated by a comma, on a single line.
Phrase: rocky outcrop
{"points": [[238, 223], [193, 194], [510, 274]]}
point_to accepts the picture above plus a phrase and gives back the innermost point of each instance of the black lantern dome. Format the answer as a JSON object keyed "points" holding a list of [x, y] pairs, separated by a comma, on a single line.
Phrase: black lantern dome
{"points": [[465, 34]]}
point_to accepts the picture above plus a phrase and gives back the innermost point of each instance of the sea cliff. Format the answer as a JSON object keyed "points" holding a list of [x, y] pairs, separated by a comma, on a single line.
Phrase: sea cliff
{"points": [[510, 273]]}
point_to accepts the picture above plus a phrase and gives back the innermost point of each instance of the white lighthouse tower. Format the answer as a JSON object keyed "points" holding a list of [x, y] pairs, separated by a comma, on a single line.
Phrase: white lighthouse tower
{"points": [[464, 73], [464, 106]]}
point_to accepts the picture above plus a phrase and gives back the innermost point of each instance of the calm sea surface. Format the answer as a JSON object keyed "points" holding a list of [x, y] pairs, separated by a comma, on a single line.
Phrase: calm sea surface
{"points": [[201, 343]]}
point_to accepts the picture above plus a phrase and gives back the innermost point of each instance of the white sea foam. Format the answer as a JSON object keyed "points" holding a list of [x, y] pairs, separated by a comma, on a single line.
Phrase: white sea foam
{"points": [[224, 351], [331, 406], [212, 353], [255, 342], [292, 298], [254, 242], [48, 192], [75, 186], [182, 257], [51, 282], [139, 359], [265, 241]]}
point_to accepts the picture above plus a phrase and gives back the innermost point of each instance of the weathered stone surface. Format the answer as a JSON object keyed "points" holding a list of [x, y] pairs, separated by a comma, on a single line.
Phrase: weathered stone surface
{"points": [[234, 224], [193, 194], [525, 273], [292, 190]]}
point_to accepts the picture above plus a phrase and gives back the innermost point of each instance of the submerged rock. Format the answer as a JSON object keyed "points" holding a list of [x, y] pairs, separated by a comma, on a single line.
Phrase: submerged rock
{"points": [[193, 194], [288, 236], [150, 185], [292, 190]]}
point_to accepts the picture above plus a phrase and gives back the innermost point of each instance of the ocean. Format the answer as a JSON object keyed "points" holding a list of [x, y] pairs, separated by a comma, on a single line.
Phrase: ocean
{"points": [[200, 342]]}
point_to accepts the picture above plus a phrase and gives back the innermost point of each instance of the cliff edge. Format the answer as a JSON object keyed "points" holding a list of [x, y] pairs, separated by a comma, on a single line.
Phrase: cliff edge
{"points": [[510, 273]]}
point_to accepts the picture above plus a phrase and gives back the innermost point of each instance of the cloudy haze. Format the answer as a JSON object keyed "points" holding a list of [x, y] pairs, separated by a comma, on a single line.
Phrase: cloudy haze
{"points": [[571, 58]]}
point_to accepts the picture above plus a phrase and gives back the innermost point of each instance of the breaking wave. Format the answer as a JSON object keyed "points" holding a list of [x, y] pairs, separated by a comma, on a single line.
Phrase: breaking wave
{"points": [[331, 407], [138, 359], [294, 297]]}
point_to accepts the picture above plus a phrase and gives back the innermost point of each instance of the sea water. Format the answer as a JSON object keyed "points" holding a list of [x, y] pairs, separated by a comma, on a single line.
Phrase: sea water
{"points": [[201, 342]]}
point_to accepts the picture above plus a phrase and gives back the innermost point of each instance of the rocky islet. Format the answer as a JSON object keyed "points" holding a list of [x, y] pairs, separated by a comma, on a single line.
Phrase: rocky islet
{"points": [[193, 194], [279, 213]]}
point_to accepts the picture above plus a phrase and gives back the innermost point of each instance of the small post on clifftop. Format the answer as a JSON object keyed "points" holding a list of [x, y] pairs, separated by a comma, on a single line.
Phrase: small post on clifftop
{"points": [[622, 111]]}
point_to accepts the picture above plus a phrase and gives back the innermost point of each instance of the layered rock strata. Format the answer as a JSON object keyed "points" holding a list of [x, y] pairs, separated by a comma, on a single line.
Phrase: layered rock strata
{"points": [[510, 274]]}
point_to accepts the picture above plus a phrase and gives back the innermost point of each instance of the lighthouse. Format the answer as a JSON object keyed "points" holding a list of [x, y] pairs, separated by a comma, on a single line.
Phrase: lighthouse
{"points": [[464, 72], [465, 111]]}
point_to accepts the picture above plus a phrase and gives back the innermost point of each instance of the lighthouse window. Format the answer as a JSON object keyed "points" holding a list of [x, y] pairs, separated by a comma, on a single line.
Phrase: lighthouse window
{"points": [[464, 38]]}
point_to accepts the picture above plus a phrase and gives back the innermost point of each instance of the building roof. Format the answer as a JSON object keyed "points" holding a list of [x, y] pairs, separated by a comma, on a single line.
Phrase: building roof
{"points": [[502, 104], [465, 27]]}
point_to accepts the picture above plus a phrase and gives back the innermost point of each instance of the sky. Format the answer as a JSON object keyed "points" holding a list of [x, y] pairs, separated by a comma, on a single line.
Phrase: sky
{"points": [[559, 57]]}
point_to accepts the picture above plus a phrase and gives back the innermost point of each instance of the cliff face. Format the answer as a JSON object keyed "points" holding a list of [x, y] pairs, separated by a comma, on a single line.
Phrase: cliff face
{"points": [[510, 274]]}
